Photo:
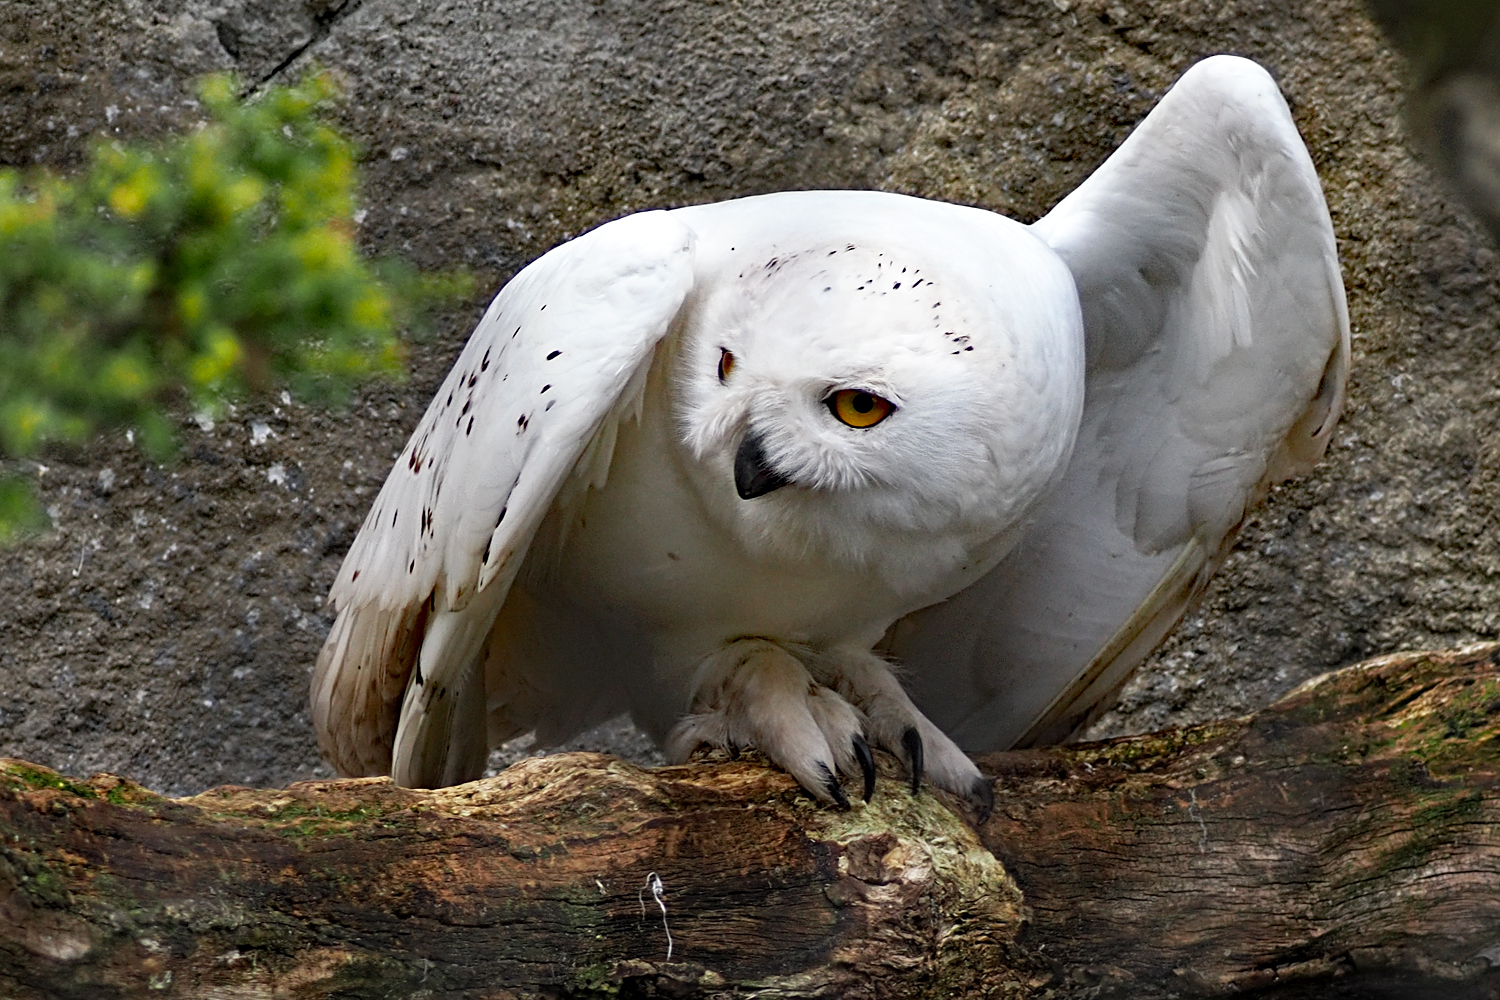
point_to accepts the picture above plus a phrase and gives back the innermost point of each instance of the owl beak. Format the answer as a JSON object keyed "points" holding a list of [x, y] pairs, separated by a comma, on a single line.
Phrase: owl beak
{"points": [[753, 475]]}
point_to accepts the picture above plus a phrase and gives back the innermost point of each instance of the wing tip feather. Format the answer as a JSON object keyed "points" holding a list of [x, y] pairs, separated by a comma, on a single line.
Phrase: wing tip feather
{"points": [[357, 683]]}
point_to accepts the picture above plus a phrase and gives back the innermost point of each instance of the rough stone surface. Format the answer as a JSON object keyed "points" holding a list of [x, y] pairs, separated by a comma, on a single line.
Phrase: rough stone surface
{"points": [[165, 628]]}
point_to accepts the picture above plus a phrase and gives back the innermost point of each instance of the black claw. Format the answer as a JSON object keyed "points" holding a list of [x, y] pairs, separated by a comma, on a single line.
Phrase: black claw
{"points": [[982, 798], [734, 750], [866, 764], [912, 741], [831, 783]]}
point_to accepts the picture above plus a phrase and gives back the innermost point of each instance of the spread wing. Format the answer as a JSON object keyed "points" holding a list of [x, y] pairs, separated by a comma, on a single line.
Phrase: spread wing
{"points": [[1217, 352], [540, 381]]}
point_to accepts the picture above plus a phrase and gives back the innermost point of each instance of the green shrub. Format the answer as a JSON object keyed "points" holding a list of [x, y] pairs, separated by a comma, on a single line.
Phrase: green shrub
{"points": [[183, 275]]}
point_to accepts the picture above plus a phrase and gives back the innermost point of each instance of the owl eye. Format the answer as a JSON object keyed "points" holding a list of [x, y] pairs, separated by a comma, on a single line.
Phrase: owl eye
{"points": [[859, 409], [726, 365]]}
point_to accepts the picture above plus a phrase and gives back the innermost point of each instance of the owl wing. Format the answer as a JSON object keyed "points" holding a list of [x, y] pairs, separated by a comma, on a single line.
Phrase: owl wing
{"points": [[1217, 353], [540, 382]]}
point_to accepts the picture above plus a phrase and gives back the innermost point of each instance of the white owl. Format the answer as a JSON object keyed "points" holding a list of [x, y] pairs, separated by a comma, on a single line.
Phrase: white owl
{"points": [[721, 467]]}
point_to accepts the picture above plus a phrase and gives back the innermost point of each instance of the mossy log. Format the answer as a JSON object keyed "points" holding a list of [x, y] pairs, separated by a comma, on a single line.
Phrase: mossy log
{"points": [[1343, 842]]}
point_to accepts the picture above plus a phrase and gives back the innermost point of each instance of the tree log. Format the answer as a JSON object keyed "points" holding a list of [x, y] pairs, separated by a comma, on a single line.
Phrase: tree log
{"points": [[1344, 842]]}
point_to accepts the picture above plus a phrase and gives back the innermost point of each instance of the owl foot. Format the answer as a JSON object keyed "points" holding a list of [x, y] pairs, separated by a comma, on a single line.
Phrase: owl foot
{"points": [[893, 723], [755, 693]]}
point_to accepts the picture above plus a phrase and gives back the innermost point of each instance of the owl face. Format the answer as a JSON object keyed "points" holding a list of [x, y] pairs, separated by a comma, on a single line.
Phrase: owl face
{"points": [[845, 399]]}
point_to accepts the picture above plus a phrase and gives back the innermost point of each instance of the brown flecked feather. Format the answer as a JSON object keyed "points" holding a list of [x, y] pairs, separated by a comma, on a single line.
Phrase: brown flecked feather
{"points": [[360, 677]]}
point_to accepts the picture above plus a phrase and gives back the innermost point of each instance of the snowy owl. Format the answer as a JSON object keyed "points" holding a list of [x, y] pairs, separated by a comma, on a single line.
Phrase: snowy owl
{"points": [[822, 471]]}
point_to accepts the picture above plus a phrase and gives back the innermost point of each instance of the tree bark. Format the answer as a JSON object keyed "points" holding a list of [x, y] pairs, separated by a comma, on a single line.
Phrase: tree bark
{"points": [[1344, 842]]}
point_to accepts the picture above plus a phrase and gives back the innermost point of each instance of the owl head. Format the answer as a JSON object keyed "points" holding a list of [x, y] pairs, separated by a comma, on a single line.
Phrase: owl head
{"points": [[860, 401]]}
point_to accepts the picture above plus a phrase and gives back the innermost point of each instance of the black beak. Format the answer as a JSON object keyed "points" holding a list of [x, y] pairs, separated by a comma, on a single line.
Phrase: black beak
{"points": [[752, 476]]}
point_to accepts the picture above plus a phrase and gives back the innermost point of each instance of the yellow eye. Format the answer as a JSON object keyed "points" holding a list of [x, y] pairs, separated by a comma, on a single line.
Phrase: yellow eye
{"points": [[726, 365], [859, 409]]}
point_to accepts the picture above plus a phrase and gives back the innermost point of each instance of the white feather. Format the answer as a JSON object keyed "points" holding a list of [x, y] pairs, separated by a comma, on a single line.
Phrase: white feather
{"points": [[1218, 347], [544, 368]]}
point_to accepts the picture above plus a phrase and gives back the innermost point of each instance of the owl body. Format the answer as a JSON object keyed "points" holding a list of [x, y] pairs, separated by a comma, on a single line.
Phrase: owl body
{"points": [[720, 466], [656, 557]]}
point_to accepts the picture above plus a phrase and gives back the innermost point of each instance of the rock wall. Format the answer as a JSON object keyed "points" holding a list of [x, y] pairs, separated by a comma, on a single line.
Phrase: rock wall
{"points": [[165, 628]]}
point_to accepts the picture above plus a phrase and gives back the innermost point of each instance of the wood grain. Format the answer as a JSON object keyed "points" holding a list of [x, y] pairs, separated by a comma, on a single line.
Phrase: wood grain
{"points": [[1344, 842]]}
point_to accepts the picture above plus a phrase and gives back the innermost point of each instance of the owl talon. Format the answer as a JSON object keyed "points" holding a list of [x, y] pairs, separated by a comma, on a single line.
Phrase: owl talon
{"points": [[911, 742], [866, 764], [819, 723], [894, 724], [835, 791], [755, 693]]}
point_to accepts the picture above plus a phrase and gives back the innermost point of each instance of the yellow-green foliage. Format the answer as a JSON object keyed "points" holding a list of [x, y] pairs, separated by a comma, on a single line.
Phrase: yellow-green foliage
{"points": [[187, 273]]}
